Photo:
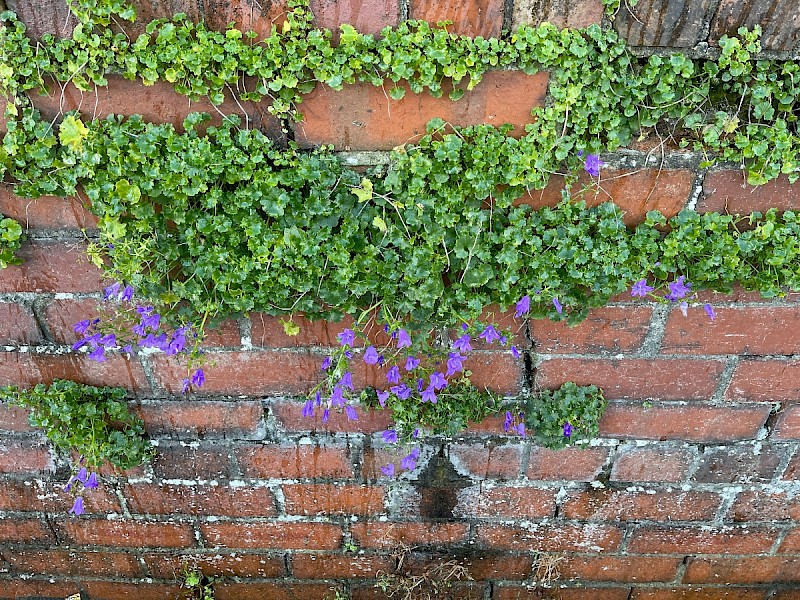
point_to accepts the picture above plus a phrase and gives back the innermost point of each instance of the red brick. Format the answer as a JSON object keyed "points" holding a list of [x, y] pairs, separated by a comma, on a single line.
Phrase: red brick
{"points": [[183, 462], [18, 588], [51, 267], [788, 425], [777, 18], [295, 461], [46, 212], [13, 418], [274, 534], [487, 460], [17, 325], [699, 593], [620, 505], [63, 562], [506, 502], [568, 464], [44, 16], [388, 535], [200, 500], [617, 569], [21, 530], [273, 591], [470, 17], [204, 418], [664, 379], [49, 496], [503, 566], [367, 16], [26, 370], [728, 192], [491, 425], [495, 371], [157, 103], [326, 566], [696, 423], [133, 534], [333, 499], [610, 329], [575, 14], [588, 537], [701, 540], [25, 457], [515, 592], [260, 17], [765, 381], [362, 117], [244, 373], [131, 591], [289, 415], [749, 569], [741, 330], [792, 471], [635, 192], [267, 331], [738, 465], [62, 314], [225, 334], [791, 543], [216, 564], [764, 506], [652, 464]]}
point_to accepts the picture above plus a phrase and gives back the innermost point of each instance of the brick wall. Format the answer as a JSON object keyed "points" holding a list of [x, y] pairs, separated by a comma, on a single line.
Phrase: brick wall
{"points": [[689, 492]]}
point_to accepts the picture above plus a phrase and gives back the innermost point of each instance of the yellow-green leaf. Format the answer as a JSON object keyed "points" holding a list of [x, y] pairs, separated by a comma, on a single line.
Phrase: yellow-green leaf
{"points": [[72, 133]]}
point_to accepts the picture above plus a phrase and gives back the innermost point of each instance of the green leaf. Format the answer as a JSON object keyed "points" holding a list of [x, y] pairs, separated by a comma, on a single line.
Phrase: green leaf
{"points": [[72, 132]]}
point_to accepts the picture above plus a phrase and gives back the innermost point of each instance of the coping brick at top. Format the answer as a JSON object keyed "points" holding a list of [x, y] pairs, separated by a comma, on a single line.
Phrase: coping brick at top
{"points": [[779, 20], [470, 17], [674, 23], [561, 13], [367, 16]]}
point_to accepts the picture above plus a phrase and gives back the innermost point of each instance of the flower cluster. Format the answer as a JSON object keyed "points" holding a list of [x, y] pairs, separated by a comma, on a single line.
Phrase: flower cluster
{"points": [[137, 326], [81, 481], [680, 290]]}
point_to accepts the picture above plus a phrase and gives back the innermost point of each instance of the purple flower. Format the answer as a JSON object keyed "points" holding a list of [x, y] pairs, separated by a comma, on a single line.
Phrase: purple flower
{"points": [[108, 341], [77, 507], [98, 354], [640, 288], [186, 386], [509, 421], [326, 415], [177, 341], [523, 306], [389, 436], [326, 364], [112, 290], [567, 429], [383, 396], [592, 165], [678, 289], [308, 409], [462, 344], [91, 482], [685, 309], [415, 433], [371, 356], [318, 398], [347, 337], [198, 378], [347, 380], [403, 339], [420, 384], [127, 294], [503, 340], [454, 360], [520, 429], [388, 470], [337, 396], [82, 475], [709, 311], [127, 348], [402, 391], [409, 462], [351, 412], [393, 375], [438, 381], [429, 395], [68, 487], [558, 306], [79, 344], [490, 334], [81, 326], [515, 352], [411, 363]]}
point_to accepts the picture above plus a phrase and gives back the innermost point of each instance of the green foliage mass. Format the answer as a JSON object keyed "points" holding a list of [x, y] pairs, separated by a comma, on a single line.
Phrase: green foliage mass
{"points": [[10, 240], [95, 422], [547, 411]]}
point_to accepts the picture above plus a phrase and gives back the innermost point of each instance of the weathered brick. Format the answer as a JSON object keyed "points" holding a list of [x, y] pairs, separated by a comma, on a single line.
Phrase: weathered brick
{"points": [[333, 499], [561, 13], [765, 381], [696, 423], [248, 15], [699, 593], [636, 192], [63, 562], [506, 502], [791, 543], [290, 416], [26, 588], [764, 506], [567, 464], [670, 24], [495, 371], [788, 425], [203, 418], [25, 457], [244, 373], [131, 591], [273, 591], [13, 418], [470, 17], [49, 266], [46, 212], [216, 564], [20, 530], [778, 20], [267, 331], [187, 462], [621, 505], [17, 325], [505, 591], [742, 330], [49, 496], [318, 566], [487, 460], [701, 540], [636, 378], [367, 16], [498, 566], [295, 461], [362, 117], [742, 569], [129, 534], [44, 16], [738, 465], [200, 500], [274, 534], [652, 464], [26, 370], [374, 534], [728, 192], [609, 329], [792, 471], [590, 537], [619, 568]]}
